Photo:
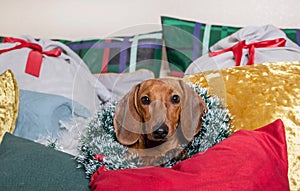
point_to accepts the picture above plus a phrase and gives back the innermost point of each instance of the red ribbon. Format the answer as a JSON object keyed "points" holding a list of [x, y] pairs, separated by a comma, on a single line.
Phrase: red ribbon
{"points": [[35, 57], [237, 49]]}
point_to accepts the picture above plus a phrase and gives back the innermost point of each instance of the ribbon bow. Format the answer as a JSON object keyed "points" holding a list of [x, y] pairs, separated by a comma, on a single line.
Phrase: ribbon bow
{"points": [[237, 49], [35, 57]]}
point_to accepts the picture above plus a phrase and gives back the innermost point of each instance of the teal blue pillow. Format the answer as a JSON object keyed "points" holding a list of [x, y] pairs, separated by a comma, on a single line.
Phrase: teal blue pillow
{"points": [[40, 114], [30, 166]]}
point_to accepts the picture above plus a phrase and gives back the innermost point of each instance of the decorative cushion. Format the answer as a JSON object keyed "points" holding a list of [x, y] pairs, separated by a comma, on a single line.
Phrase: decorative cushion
{"points": [[248, 46], [121, 54], [247, 160], [259, 94], [26, 165], [9, 102], [65, 75], [41, 115], [187, 40], [293, 34]]}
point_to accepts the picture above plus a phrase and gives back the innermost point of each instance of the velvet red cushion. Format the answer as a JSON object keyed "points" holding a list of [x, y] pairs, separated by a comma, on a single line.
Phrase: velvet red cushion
{"points": [[248, 160]]}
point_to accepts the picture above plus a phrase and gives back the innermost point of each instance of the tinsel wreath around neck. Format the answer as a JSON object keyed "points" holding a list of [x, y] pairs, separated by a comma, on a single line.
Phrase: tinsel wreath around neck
{"points": [[100, 149]]}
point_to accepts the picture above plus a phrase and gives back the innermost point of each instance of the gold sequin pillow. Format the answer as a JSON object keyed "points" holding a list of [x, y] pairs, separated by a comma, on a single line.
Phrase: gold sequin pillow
{"points": [[256, 96], [9, 102]]}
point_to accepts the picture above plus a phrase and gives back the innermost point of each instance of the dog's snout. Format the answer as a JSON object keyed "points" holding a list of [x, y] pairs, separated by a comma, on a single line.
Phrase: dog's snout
{"points": [[161, 132]]}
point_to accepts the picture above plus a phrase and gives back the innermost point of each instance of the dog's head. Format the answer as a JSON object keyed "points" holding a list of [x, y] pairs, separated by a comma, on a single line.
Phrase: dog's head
{"points": [[158, 109]]}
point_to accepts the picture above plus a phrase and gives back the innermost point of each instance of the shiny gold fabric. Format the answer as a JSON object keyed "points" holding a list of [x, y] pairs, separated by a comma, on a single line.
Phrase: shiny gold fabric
{"points": [[257, 95], [9, 103]]}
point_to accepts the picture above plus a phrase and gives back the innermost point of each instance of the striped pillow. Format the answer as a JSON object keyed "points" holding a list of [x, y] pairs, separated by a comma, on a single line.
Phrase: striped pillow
{"points": [[188, 40], [293, 34], [121, 54]]}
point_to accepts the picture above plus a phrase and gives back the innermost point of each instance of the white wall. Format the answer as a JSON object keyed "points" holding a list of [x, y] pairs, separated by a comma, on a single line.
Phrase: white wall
{"points": [[77, 19]]}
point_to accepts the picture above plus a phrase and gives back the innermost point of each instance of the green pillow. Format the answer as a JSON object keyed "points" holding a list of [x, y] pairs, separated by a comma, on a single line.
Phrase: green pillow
{"points": [[188, 40], [293, 34], [26, 165], [121, 54]]}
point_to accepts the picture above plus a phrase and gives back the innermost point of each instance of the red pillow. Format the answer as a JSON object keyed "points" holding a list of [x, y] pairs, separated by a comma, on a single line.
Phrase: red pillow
{"points": [[248, 160]]}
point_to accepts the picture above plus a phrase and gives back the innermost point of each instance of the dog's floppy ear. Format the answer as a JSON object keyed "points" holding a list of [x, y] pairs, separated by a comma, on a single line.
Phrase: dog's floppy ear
{"points": [[127, 122], [193, 108]]}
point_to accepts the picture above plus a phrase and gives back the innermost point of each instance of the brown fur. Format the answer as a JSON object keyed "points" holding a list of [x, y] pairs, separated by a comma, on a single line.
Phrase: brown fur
{"points": [[136, 122]]}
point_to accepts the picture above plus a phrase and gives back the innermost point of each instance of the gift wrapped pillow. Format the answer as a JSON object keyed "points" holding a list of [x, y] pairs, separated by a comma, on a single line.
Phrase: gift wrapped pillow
{"points": [[51, 67], [248, 46]]}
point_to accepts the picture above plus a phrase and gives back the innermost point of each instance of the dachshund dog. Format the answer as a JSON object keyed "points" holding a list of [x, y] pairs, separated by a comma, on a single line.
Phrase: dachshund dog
{"points": [[157, 116]]}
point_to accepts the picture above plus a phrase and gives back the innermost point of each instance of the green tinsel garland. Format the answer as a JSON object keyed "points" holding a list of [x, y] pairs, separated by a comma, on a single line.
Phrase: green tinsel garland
{"points": [[101, 149]]}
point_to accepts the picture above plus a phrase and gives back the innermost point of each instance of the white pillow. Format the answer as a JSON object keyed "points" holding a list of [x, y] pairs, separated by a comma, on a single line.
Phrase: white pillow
{"points": [[66, 75]]}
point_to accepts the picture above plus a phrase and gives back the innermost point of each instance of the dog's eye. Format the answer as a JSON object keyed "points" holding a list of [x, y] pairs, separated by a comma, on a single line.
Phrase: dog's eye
{"points": [[145, 100], [175, 99]]}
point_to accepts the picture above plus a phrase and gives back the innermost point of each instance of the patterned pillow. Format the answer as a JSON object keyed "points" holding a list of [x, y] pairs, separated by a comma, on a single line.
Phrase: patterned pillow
{"points": [[293, 34], [121, 54], [187, 40]]}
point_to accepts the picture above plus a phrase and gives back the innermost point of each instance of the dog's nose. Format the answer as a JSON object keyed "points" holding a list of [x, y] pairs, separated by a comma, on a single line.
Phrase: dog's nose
{"points": [[161, 132]]}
